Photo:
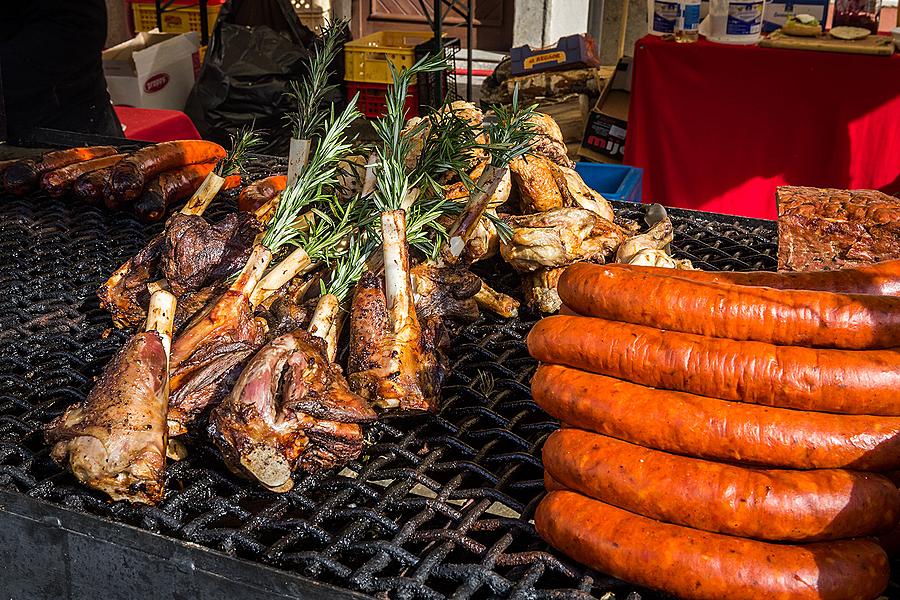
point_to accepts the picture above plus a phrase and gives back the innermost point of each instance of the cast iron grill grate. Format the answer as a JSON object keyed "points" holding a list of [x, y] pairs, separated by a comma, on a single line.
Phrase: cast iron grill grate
{"points": [[431, 511]]}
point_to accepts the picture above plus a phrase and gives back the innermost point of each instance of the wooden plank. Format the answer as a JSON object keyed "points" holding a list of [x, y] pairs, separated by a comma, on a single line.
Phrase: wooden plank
{"points": [[874, 44]]}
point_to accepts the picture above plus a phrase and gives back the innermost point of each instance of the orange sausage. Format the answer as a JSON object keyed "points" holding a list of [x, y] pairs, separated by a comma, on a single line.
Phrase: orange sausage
{"points": [[259, 192], [716, 429], [698, 565], [766, 504], [788, 317], [841, 381], [24, 176], [878, 279], [167, 188], [127, 179]]}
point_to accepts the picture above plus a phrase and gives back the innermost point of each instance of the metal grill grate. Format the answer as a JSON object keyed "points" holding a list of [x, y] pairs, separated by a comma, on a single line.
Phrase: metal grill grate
{"points": [[433, 508]]}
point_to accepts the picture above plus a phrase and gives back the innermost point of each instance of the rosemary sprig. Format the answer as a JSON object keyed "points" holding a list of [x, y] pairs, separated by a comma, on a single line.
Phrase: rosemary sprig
{"points": [[448, 147], [511, 132], [307, 94], [333, 224], [241, 145], [347, 269], [392, 179], [504, 230], [315, 182]]}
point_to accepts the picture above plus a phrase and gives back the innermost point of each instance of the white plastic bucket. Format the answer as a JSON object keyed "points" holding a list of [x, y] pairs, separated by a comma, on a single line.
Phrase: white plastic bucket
{"points": [[734, 21], [662, 15]]}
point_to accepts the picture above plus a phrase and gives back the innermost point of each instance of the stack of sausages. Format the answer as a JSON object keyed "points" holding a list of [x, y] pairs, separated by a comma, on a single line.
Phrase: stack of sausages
{"points": [[724, 434], [148, 181]]}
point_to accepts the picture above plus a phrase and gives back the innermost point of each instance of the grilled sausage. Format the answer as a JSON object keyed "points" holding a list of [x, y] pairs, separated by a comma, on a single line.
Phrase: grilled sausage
{"points": [[773, 504], [88, 188], [716, 429], [259, 192], [841, 381], [789, 317], [167, 188], [697, 565], [57, 183], [24, 176], [879, 279], [127, 179]]}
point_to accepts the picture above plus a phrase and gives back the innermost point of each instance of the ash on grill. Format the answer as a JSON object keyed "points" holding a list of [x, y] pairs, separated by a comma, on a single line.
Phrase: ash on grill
{"points": [[431, 510]]}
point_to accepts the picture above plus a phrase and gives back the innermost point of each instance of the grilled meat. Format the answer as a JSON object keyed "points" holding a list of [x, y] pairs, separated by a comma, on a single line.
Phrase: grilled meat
{"points": [[395, 359], [577, 193], [115, 440], [549, 141], [559, 237], [496, 302], [125, 293], [197, 254], [535, 180], [445, 292], [208, 355], [290, 409]]}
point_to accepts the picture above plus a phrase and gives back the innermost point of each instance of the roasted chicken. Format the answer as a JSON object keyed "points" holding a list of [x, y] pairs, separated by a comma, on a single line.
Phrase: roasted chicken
{"points": [[535, 179], [290, 409], [115, 440], [549, 140], [559, 237]]}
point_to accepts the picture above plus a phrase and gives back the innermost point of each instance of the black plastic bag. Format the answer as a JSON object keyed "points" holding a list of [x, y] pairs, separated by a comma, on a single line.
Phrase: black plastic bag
{"points": [[257, 48]]}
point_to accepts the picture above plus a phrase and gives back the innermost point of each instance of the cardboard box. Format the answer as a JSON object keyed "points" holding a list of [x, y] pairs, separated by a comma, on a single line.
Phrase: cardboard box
{"points": [[153, 70], [604, 134]]}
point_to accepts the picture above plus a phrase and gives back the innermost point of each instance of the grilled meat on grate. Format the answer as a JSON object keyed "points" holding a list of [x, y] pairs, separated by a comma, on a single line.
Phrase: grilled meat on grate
{"points": [[115, 440], [291, 408]]}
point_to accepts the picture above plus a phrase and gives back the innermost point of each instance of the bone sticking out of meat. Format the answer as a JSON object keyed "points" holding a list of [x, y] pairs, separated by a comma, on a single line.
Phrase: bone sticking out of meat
{"points": [[298, 156], [296, 263], [325, 323], [496, 302], [466, 224], [540, 290], [393, 361], [115, 439], [290, 409], [459, 191]]}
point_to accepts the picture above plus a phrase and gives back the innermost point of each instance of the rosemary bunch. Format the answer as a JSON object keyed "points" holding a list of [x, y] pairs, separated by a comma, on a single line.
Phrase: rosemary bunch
{"points": [[241, 145], [511, 132], [307, 93], [315, 182], [347, 269], [447, 148]]}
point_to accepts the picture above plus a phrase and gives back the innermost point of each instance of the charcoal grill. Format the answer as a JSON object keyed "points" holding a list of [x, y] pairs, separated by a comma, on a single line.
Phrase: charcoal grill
{"points": [[438, 507]]}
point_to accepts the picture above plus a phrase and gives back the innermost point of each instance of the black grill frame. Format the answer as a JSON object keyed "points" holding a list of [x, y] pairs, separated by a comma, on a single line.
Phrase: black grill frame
{"points": [[431, 510]]}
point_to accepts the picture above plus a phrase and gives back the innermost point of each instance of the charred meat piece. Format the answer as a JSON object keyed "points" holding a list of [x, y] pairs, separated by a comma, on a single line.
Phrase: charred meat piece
{"points": [[197, 254], [124, 295], [290, 409], [115, 440], [558, 238], [540, 290], [208, 355], [446, 292]]}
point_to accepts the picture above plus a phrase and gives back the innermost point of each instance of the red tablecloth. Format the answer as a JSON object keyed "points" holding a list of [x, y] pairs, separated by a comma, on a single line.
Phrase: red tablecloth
{"points": [[156, 125], [718, 127]]}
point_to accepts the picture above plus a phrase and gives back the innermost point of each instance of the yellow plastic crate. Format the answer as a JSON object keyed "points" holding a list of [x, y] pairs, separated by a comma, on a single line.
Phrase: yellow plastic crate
{"points": [[366, 59], [178, 19]]}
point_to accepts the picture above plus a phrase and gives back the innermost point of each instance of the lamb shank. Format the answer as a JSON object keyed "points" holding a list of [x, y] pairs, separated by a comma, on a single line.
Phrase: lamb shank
{"points": [[115, 440], [290, 409]]}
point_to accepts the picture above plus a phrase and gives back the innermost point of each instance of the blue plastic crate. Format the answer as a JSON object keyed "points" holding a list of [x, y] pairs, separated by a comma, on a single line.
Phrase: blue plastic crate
{"points": [[614, 182]]}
